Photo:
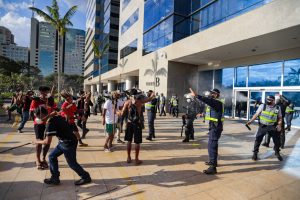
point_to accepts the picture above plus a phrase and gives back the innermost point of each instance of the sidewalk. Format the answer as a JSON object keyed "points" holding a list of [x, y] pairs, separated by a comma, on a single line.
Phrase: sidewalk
{"points": [[170, 170]]}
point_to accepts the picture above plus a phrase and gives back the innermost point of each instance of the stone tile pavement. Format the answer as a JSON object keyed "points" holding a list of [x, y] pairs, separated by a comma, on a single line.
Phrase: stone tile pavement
{"points": [[170, 170]]}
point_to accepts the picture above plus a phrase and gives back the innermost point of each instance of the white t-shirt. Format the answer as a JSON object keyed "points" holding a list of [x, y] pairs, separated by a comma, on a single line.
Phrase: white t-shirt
{"points": [[109, 115]]}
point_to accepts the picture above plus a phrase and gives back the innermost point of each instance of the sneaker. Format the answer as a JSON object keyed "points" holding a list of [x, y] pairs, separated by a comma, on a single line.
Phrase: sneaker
{"points": [[52, 181], [108, 150], [83, 145], [120, 141], [210, 171], [83, 181], [254, 157]]}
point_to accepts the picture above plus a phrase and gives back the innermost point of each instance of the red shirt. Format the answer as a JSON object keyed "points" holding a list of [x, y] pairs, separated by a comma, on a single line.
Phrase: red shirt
{"points": [[36, 103], [69, 113]]}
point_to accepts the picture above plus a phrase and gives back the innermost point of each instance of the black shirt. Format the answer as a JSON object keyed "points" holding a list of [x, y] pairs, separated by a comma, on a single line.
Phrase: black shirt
{"points": [[213, 103], [59, 127]]}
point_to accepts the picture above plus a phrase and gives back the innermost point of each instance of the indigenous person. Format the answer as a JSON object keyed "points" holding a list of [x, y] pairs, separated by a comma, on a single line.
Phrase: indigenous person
{"points": [[69, 112], [215, 115], [67, 145], [270, 121], [110, 119], [162, 105], [83, 106], [133, 108], [289, 112], [151, 112], [26, 100], [40, 124]]}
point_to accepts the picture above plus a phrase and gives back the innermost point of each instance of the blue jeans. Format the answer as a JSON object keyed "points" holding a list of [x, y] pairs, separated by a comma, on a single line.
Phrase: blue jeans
{"points": [[69, 151], [25, 117]]}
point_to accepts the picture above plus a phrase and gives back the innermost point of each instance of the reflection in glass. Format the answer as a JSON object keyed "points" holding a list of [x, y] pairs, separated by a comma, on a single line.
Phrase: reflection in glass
{"points": [[294, 97], [255, 101], [265, 75], [130, 21], [291, 73], [241, 74], [241, 104]]}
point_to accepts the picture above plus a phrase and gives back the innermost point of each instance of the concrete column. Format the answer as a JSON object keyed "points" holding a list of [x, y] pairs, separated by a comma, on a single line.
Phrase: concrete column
{"points": [[98, 88], [92, 88], [111, 86], [129, 82]]}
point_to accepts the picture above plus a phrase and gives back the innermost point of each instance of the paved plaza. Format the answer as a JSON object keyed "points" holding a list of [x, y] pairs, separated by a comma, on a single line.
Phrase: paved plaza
{"points": [[170, 170]]}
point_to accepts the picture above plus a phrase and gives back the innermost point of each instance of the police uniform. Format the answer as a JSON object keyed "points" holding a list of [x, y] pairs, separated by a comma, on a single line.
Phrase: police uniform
{"points": [[268, 119], [191, 112], [67, 145], [162, 104], [174, 104], [151, 112], [289, 112], [215, 115]]}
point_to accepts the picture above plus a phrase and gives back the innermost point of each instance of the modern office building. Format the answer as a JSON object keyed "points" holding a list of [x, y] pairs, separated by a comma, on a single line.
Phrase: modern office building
{"points": [[8, 47], [44, 50], [74, 45], [247, 49], [102, 31]]}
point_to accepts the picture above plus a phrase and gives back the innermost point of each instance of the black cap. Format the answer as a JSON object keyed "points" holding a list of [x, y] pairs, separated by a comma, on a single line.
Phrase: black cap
{"points": [[215, 90], [270, 98], [44, 88]]}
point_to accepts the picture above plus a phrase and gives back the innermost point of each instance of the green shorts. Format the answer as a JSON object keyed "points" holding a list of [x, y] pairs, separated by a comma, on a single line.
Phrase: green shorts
{"points": [[110, 128]]}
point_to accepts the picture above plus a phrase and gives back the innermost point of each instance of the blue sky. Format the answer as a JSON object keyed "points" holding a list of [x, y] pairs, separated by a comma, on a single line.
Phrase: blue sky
{"points": [[15, 15]]}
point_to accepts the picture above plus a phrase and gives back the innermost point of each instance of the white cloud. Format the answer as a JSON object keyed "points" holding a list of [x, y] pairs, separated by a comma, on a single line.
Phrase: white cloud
{"points": [[80, 3], [15, 6], [18, 25]]}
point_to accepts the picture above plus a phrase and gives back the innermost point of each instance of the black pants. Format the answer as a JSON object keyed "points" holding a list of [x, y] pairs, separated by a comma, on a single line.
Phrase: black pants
{"points": [[175, 111], [215, 131], [162, 110], [282, 136], [151, 117], [289, 118], [262, 131], [189, 129]]}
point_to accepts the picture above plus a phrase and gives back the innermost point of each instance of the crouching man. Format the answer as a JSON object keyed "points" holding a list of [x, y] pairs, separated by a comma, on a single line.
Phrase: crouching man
{"points": [[67, 145]]}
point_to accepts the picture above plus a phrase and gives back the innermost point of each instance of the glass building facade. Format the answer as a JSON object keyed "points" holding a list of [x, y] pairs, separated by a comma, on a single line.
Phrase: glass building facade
{"points": [[167, 21], [244, 87], [74, 51]]}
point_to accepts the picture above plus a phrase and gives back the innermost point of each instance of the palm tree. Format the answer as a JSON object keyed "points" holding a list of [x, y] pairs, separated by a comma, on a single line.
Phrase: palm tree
{"points": [[99, 55], [154, 72], [61, 26]]}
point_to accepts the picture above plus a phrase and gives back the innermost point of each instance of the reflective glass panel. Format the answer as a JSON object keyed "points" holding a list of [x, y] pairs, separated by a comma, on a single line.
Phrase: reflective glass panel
{"points": [[291, 73], [241, 76], [265, 75], [294, 97]]}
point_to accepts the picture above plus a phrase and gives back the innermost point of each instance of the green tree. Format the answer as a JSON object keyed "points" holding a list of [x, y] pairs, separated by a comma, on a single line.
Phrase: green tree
{"points": [[60, 23], [99, 52]]}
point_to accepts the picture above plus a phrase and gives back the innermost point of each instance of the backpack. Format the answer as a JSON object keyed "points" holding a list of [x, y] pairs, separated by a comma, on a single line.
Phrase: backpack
{"points": [[133, 114]]}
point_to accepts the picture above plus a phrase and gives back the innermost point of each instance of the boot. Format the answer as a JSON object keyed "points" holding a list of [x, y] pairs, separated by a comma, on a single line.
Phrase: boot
{"points": [[186, 139], [277, 154], [209, 163], [254, 157], [210, 171]]}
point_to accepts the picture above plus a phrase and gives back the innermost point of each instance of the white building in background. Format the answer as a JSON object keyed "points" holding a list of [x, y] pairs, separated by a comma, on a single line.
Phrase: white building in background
{"points": [[9, 49], [247, 49]]}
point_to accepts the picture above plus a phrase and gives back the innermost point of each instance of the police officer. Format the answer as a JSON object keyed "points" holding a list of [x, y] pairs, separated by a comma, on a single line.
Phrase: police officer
{"points": [[151, 112], [289, 112], [215, 115], [270, 121], [162, 105], [190, 116], [174, 103], [67, 145]]}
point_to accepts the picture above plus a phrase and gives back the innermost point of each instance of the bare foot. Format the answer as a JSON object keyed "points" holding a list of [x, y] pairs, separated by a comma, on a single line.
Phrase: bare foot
{"points": [[128, 160], [138, 162]]}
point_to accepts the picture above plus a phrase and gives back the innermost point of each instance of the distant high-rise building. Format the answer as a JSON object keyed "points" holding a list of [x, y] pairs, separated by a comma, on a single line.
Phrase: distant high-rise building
{"points": [[74, 51], [102, 26], [44, 50], [9, 49]]}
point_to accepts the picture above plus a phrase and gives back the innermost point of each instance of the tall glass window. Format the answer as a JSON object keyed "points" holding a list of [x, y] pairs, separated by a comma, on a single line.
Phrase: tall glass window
{"points": [[130, 21], [291, 73], [241, 74], [295, 99], [132, 47], [265, 75], [125, 3]]}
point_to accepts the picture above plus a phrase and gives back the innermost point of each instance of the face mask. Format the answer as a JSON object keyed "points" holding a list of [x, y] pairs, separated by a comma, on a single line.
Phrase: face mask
{"points": [[38, 120], [188, 100], [48, 95]]}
